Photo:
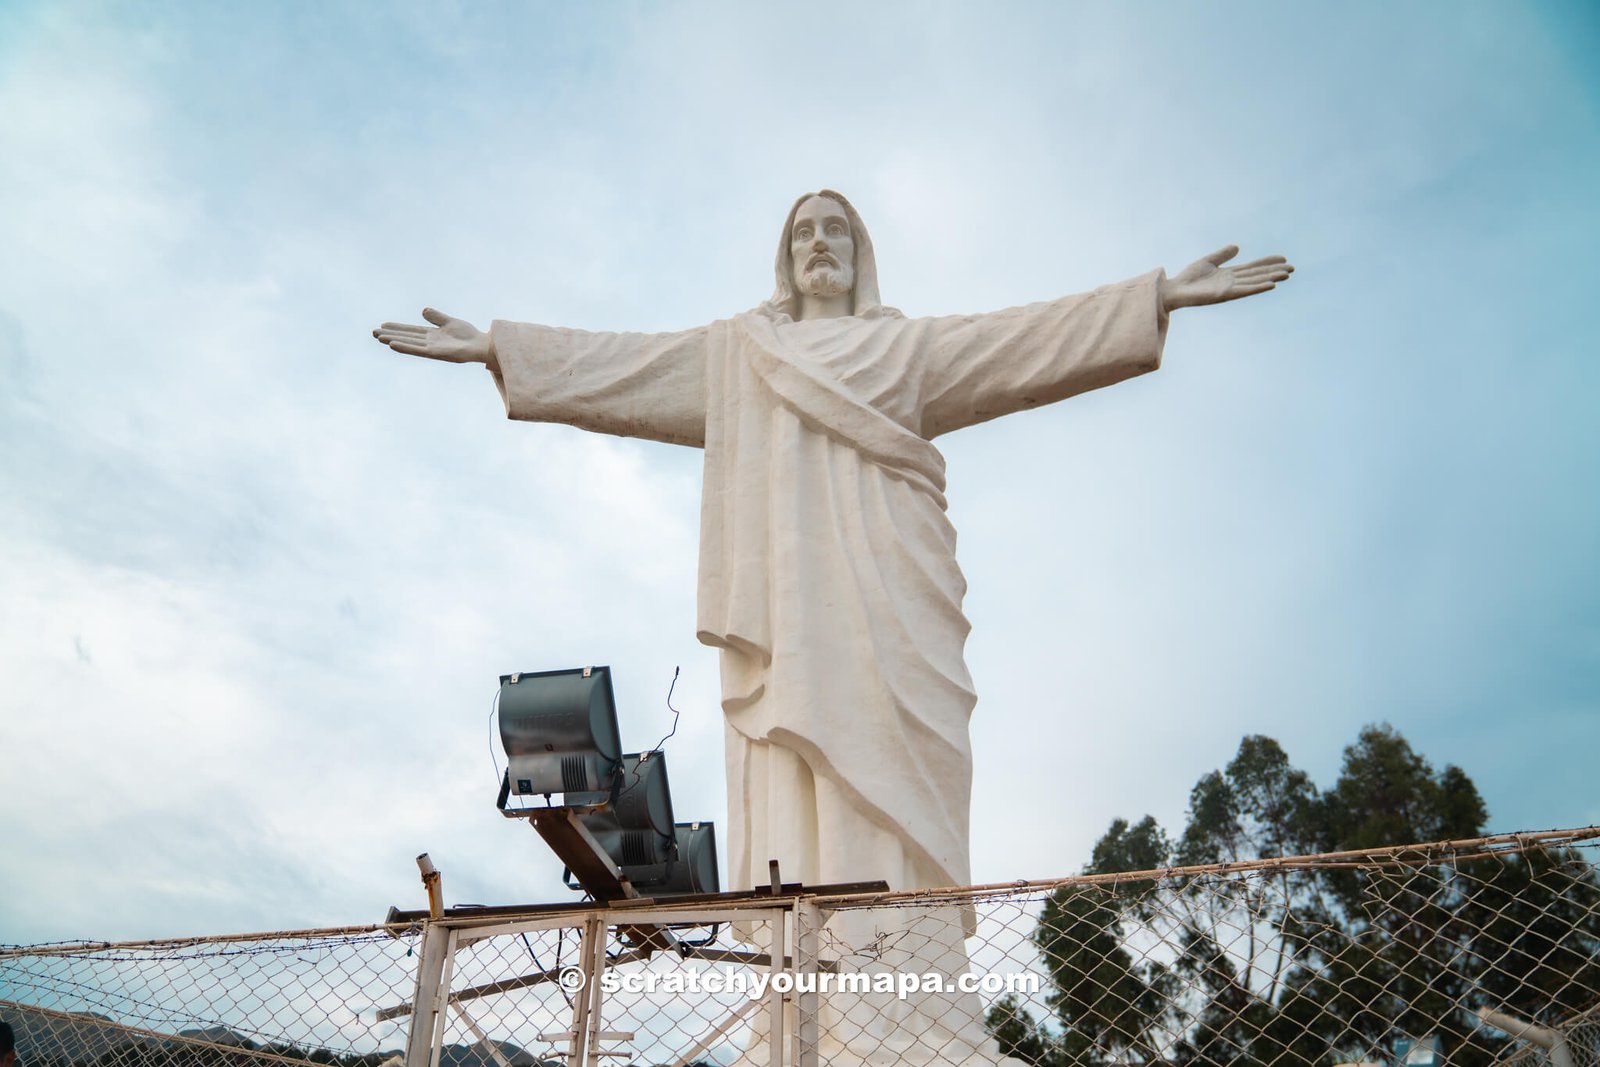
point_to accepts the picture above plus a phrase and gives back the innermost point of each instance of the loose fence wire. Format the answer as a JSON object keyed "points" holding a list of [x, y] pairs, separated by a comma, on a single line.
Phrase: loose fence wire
{"points": [[1342, 958]]}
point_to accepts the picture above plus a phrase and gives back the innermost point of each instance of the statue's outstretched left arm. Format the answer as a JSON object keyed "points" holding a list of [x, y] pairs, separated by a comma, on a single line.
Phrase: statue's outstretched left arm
{"points": [[1207, 281], [449, 339]]}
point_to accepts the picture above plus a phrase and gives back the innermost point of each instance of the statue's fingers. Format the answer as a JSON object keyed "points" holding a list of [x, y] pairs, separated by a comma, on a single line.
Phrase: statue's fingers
{"points": [[1250, 290], [1264, 261], [1222, 255], [410, 349], [1258, 278], [1261, 274], [438, 318], [404, 327], [387, 336]]}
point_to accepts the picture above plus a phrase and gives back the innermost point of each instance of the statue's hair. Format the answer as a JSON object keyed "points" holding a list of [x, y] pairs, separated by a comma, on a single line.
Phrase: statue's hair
{"points": [[864, 297]]}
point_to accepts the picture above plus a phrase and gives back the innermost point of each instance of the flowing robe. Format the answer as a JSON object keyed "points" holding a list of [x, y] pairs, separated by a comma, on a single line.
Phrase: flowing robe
{"points": [[828, 576]]}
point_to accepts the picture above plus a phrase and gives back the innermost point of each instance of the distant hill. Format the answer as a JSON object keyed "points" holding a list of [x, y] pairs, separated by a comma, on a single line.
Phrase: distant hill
{"points": [[85, 1039], [219, 1035], [474, 1056]]}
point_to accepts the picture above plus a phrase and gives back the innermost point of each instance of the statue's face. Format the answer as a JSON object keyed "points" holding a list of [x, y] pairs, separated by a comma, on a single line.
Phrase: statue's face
{"points": [[821, 249]]}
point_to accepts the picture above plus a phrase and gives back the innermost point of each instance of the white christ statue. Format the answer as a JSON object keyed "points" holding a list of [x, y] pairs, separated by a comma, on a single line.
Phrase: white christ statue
{"points": [[828, 576]]}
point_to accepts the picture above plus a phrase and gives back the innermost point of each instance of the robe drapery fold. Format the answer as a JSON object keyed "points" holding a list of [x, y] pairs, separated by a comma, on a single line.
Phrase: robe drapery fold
{"points": [[828, 575]]}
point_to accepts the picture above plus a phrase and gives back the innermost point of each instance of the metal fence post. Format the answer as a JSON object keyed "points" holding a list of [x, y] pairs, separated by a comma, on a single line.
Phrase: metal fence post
{"points": [[433, 992], [580, 1046], [775, 997], [807, 922], [595, 933]]}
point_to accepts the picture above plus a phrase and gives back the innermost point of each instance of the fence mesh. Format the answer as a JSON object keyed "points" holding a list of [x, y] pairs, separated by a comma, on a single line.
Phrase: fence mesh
{"points": [[662, 1004], [247, 998], [1465, 953]]}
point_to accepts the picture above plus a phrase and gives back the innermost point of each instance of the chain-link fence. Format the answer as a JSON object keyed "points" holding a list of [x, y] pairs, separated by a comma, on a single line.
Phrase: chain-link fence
{"points": [[1463, 953], [244, 999]]}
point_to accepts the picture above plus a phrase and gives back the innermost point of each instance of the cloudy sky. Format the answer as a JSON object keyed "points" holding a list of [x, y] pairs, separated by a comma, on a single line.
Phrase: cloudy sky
{"points": [[258, 575]]}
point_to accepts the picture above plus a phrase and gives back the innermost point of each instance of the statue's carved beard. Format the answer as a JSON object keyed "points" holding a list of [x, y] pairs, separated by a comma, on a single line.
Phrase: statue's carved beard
{"points": [[826, 280]]}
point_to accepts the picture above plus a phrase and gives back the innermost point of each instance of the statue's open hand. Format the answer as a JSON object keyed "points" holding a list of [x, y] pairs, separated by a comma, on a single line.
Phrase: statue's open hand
{"points": [[451, 339], [1207, 281]]}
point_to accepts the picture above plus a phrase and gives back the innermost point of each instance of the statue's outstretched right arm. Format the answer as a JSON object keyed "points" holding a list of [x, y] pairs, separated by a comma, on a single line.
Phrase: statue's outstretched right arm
{"points": [[630, 384]]}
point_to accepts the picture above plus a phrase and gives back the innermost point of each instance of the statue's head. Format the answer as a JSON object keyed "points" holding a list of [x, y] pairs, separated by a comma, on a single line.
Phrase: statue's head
{"points": [[822, 254], [824, 250]]}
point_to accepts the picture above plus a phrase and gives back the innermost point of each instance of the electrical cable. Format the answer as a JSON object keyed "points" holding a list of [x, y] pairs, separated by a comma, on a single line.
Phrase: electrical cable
{"points": [[494, 706], [675, 712], [638, 768]]}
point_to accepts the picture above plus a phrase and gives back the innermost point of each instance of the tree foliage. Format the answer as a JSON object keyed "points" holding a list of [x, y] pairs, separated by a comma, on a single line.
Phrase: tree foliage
{"points": [[1300, 964]]}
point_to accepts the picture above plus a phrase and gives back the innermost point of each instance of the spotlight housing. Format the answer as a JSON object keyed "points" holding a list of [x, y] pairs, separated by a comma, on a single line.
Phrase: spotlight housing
{"points": [[613, 828], [636, 828], [559, 729]]}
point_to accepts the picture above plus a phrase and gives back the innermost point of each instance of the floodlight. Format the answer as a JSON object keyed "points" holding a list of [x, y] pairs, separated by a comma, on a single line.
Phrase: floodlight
{"points": [[659, 866], [688, 864], [643, 799], [559, 729], [695, 869], [635, 828]]}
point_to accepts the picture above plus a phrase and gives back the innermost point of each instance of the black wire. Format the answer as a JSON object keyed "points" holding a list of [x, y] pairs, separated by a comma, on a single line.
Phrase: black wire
{"points": [[540, 964], [494, 706], [675, 712], [638, 769]]}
